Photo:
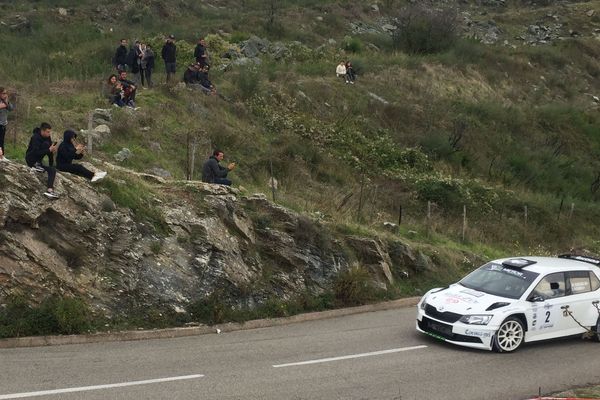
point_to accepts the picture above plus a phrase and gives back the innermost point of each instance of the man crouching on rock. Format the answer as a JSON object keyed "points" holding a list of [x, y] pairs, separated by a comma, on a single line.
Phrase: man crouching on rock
{"points": [[212, 172], [70, 150], [40, 146]]}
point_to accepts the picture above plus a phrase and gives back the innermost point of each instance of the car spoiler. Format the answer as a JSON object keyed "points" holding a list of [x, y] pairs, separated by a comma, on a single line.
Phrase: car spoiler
{"points": [[577, 257]]}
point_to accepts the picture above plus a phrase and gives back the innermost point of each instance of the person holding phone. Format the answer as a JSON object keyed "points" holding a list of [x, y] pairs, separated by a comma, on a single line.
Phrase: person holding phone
{"points": [[40, 146], [70, 150], [213, 172]]}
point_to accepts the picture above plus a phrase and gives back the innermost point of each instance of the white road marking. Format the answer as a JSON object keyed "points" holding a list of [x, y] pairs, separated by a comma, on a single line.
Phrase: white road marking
{"points": [[98, 387], [374, 353]]}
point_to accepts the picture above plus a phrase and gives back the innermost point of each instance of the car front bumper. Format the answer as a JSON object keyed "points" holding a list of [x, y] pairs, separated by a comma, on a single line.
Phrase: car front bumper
{"points": [[474, 336]]}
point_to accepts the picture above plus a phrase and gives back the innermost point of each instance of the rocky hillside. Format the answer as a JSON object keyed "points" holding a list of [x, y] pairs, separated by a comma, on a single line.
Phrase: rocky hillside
{"points": [[211, 238]]}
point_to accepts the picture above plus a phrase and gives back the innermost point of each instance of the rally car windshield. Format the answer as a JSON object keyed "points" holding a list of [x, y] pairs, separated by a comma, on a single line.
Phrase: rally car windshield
{"points": [[498, 280]]}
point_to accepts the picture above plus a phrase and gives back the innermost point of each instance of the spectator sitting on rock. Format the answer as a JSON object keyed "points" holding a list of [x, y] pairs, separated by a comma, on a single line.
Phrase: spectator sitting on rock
{"points": [[205, 84], [70, 150], [129, 89], [40, 146], [350, 75], [340, 70], [212, 172], [190, 76], [120, 59], [113, 90]]}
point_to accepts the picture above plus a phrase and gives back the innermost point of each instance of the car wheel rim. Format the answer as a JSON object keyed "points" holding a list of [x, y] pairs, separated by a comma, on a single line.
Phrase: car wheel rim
{"points": [[510, 335]]}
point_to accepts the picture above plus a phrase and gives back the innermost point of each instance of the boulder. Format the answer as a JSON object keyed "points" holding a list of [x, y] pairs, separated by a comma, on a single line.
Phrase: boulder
{"points": [[124, 154], [102, 116], [163, 173]]}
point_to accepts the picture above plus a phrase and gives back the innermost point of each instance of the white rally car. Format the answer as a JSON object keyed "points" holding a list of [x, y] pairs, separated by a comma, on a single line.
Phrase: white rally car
{"points": [[510, 301]]}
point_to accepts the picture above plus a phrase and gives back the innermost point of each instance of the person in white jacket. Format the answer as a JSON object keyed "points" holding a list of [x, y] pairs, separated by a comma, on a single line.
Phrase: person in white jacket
{"points": [[340, 70]]}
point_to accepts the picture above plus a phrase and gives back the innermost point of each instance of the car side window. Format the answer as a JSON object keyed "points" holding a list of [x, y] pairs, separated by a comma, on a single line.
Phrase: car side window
{"points": [[580, 282], [595, 281], [551, 286]]}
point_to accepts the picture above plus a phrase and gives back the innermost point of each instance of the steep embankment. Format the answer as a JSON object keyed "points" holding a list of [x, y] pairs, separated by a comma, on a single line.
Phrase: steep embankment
{"points": [[202, 239]]}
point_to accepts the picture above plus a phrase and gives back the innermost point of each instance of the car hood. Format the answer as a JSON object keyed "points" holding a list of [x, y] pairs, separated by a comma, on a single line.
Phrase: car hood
{"points": [[461, 300]]}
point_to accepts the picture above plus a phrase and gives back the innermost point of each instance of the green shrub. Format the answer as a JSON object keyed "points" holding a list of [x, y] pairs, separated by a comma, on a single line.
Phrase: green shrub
{"points": [[354, 287], [423, 30], [248, 82], [55, 315], [352, 44]]}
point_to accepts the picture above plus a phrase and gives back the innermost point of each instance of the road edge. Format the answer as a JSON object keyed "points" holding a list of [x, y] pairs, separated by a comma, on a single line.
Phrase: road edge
{"points": [[169, 333]]}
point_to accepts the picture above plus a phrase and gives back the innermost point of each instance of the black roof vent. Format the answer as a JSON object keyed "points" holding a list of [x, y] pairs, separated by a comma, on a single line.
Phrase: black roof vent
{"points": [[577, 257], [517, 263]]}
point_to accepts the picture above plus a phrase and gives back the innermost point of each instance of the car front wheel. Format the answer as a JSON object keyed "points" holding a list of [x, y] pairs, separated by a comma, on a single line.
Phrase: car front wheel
{"points": [[509, 336]]}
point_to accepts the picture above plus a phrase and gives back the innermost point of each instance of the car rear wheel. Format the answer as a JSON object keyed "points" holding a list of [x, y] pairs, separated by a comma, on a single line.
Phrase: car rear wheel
{"points": [[596, 330], [509, 336]]}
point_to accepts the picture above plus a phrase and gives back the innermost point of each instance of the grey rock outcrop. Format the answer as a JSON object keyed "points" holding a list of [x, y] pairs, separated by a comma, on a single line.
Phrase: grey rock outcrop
{"points": [[210, 239]]}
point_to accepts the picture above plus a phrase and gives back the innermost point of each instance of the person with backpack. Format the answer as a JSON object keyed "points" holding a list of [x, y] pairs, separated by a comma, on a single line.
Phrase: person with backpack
{"points": [[40, 146]]}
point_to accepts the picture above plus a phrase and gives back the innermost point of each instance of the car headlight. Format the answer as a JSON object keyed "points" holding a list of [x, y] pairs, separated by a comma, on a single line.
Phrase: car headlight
{"points": [[476, 319]]}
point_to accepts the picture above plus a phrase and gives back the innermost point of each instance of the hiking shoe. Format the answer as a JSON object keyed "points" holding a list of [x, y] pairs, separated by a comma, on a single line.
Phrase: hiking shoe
{"points": [[98, 175], [37, 168], [51, 195]]}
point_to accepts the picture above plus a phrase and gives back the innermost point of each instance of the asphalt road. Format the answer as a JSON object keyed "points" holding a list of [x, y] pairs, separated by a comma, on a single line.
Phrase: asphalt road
{"points": [[263, 364]]}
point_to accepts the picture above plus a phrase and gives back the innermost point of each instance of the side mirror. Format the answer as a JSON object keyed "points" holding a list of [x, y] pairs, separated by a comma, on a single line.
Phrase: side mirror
{"points": [[536, 298]]}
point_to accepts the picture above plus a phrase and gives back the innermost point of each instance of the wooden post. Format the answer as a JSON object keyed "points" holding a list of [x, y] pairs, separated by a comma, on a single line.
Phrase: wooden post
{"points": [[464, 227], [187, 156], [428, 217], [560, 208], [193, 157], [90, 139], [360, 197], [399, 214], [571, 211], [272, 181], [525, 212]]}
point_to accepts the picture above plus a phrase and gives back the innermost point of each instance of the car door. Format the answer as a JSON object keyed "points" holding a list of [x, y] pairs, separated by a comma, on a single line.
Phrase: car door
{"points": [[546, 316], [582, 287]]}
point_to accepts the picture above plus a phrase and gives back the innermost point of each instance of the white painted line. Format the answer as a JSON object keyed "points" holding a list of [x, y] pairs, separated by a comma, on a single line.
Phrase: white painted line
{"points": [[98, 387], [374, 353]]}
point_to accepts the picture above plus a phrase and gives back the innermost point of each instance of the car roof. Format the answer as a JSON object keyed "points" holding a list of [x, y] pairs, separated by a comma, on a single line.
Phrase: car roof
{"points": [[544, 265]]}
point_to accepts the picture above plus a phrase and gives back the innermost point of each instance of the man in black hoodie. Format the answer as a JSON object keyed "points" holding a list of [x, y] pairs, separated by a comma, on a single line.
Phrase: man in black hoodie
{"points": [[212, 172], [70, 150], [120, 60], [40, 146], [169, 55]]}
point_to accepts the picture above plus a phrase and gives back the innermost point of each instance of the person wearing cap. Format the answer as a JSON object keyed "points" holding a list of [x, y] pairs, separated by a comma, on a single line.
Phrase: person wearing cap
{"points": [[70, 150], [169, 56]]}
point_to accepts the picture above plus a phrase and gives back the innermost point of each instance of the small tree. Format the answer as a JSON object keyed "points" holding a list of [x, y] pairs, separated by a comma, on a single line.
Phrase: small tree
{"points": [[423, 30]]}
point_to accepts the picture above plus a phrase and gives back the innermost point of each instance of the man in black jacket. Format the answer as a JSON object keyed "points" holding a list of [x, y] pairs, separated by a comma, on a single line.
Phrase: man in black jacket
{"points": [[120, 61], [70, 150], [40, 146], [169, 55], [200, 53], [212, 172]]}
